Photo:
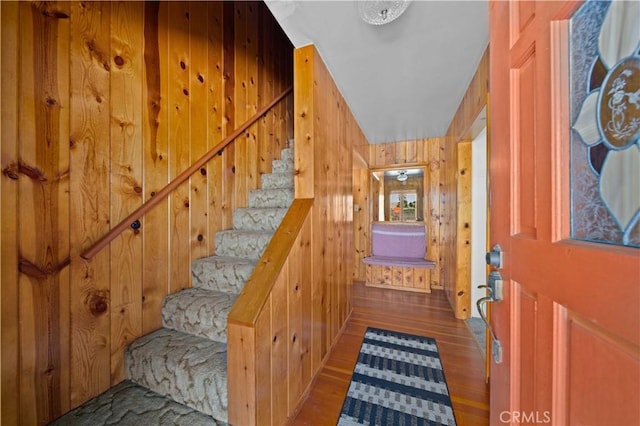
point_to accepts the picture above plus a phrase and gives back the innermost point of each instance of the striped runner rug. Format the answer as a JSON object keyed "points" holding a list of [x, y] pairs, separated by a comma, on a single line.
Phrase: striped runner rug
{"points": [[398, 380]]}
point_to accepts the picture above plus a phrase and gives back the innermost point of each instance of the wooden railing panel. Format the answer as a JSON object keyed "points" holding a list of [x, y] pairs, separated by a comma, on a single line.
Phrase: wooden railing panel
{"points": [[250, 302], [264, 310], [280, 311], [261, 393]]}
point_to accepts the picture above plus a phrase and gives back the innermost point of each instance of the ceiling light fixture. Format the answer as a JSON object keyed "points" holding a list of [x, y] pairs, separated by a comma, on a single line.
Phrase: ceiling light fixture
{"points": [[376, 12], [402, 176]]}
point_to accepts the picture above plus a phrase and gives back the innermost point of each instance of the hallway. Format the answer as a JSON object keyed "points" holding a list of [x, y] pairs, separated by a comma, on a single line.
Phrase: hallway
{"points": [[422, 314]]}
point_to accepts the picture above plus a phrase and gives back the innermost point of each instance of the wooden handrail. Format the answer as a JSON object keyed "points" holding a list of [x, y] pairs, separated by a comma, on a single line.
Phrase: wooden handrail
{"points": [[181, 178], [254, 295]]}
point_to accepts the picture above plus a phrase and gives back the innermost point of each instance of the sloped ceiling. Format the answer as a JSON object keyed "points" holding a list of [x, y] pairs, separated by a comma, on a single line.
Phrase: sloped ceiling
{"points": [[403, 80]]}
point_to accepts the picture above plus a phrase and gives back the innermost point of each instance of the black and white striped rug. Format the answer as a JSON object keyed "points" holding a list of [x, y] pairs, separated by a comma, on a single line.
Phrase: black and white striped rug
{"points": [[398, 380]]}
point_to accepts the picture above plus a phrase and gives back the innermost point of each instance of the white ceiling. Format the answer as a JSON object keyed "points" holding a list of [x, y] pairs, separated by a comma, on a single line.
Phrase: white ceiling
{"points": [[403, 80]]}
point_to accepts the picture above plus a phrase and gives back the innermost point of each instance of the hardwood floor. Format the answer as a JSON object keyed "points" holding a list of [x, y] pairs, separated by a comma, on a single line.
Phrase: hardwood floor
{"points": [[421, 314]]}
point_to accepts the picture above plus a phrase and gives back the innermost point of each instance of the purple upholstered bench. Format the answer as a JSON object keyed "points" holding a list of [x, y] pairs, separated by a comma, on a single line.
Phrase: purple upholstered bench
{"points": [[398, 257]]}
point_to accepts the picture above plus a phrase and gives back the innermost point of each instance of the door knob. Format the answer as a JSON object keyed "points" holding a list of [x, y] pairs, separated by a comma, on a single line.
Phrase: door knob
{"points": [[494, 257], [494, 288]]}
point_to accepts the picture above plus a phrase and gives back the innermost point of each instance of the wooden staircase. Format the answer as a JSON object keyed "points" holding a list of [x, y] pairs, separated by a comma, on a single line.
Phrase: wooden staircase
{"points": [[178, 374]]}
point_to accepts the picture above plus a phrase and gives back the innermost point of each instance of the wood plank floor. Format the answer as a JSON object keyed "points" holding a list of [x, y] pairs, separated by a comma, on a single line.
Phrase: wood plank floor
{"points": [[421, 314]]}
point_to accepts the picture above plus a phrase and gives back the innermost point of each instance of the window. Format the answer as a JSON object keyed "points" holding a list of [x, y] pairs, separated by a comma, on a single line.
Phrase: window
{"points": [[402, 205]]}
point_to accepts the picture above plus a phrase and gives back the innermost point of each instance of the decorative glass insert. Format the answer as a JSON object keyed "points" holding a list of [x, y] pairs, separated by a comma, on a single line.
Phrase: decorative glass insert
{"points": [[605, 120]]}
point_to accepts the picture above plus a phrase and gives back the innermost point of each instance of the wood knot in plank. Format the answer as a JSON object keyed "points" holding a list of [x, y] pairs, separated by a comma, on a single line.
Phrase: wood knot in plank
{"points": [[34, 271], [11, 171], [98, 302]]}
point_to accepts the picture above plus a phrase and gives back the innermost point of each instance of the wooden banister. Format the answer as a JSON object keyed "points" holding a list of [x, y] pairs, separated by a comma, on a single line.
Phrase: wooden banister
{"points": [[181, 178], [250, 302], [269, 327]]}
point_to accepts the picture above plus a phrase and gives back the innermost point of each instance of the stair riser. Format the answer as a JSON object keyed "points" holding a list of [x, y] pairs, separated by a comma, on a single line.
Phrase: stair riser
{"points": [[262, 198], [282, 166], [188, 369], [276, 180], [220, 276], [240, 244], [287, 154], [258, 219], [199, 312]]}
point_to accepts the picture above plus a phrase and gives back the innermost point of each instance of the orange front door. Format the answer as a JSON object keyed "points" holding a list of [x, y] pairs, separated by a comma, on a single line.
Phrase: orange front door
{"points": [[569, 322]]}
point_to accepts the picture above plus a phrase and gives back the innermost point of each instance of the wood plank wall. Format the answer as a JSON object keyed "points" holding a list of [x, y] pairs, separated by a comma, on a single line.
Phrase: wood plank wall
{"points": [[448, 200], [102, 104], [459, 135], [288, 317], [326, 134]]}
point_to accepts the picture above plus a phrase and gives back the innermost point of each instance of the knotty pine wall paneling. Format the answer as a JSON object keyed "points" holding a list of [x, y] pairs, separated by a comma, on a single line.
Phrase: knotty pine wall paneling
{"points": [[459, 133], [42, 176], [229, 76], [199, 80], [89, 113], [179, 62], [241, 98], [126, 178], [103, 104], [326, 135], [216, 121], [156, 254], [463, 234], [361, 219], [448, 206], [9, 189]]}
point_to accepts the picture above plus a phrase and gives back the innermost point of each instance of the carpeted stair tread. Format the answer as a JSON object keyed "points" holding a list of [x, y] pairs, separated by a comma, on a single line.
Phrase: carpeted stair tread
{"points": [[189, 369], [220, 273], [200, 312], [239, 243], [128, 404], [276, 197], [276, 180], [258, 219]]}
